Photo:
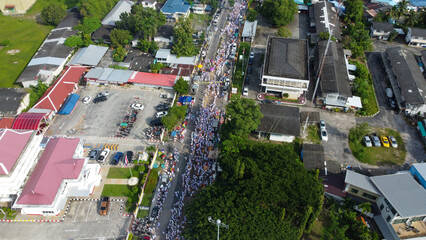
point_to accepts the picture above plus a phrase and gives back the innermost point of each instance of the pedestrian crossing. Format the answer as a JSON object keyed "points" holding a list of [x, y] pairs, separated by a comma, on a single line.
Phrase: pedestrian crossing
{"points": [[111, 146]]}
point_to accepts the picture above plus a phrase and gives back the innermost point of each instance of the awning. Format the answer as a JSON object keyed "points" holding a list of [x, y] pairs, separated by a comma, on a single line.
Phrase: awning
{"points": [[69, 104], [29, 121]]}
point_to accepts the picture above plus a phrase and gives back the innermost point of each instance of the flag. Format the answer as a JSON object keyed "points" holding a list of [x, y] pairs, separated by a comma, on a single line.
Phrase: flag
{"points": [[126, 161]]}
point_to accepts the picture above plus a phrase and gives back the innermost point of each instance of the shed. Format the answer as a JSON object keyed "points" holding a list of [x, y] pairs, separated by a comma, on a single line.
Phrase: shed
{"points": [[69, 104], [280, 123], [249, 30], [13, 101], [88, 56]]}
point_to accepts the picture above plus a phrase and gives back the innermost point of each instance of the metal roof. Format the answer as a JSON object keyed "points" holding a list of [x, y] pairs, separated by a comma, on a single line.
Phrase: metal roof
{"points": [[173, 59], [249, 29], [109, 74], [403, 192], [382, 26], [89, 56], [421, 169], [361, 181], [313, 156], [286, 58], [122, 6], [325, 14], [406, 71], [47, 60], [418, 32], [10, 100], [28, 121], [175, 6], [12, 143], [279, 120]]}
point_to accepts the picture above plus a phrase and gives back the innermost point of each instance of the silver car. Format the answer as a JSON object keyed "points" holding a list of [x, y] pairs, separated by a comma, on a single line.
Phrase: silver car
{"points": [[367, 141], [376, 141], [322, 124], [393, 142]]}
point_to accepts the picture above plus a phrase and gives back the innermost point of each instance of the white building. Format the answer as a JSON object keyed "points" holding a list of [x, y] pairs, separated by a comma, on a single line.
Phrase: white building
{"points": [[61, 172], [285, 69], [416, 37], [122, 6], [149, 3], [381, 30], [165, 56], [18, 151], [175, 9]]}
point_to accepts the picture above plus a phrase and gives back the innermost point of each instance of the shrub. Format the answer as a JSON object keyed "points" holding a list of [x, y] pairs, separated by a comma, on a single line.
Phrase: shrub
{"points": [[52, 14]]}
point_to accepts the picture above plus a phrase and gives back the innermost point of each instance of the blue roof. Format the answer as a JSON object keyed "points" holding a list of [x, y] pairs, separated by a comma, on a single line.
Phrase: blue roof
{"points": [[175, 6], [418, 3], [69, 104]]}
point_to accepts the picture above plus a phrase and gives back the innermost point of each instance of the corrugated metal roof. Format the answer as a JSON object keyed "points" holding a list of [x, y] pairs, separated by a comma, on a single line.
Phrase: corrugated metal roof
{"points": [[173, 59], [175, 6], [47, 60], [89, 56], [114, 15], [403, 192], [279, 120], [249, 29], [421, 169], [361, 181]]}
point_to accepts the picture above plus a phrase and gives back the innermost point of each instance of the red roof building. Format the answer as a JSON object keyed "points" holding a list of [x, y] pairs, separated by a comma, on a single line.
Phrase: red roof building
{"points": [[12, 144], [55, 165], [55, 96], [6, 122], [153, 79], [29, 121]]}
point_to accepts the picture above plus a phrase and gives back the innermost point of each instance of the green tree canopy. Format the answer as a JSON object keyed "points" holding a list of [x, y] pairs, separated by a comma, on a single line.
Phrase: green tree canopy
{"points": [[144, 21], [284, 32], [354, 10], [183, 44], [119, 54], [74, 41], [53, 13], [252, 15], [89, 25], [120, 37], [264, 192], [156, 67], [95, 8], [176, 115], [181, 86], [279, 12]]}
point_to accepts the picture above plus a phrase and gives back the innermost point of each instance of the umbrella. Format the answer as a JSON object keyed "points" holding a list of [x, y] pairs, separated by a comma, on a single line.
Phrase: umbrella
{"points": [[123, 124]]}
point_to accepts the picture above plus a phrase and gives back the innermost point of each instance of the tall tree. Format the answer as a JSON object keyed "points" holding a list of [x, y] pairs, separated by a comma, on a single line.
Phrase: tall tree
{"points": [[89, 25], [183, 44], [243, 116], [145, 21], [120, 37], [354, 10], [410, 18], [53, 13], [279, 12]]}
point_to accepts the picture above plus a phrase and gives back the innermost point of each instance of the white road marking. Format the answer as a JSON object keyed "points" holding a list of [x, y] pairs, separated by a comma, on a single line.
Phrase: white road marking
{"points": [[71, 230], [88, 210], [76, 212]]}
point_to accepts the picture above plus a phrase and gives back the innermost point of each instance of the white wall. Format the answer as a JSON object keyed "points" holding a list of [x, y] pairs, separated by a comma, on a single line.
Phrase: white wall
{"points": [[281, 138]]}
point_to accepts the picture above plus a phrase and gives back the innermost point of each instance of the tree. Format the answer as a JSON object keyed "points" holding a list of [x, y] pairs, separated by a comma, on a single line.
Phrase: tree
{"points": [[53, 13], [392, 36], [284, 32], [156, 67], [74, 41], [147, 46], [89, 25], [143, 21], [410, 19], [120, 37], [119, 54], [279, 12], [252, 15], [183, 44], [95, 8], [176, 115], [365, 207], [354, 10], [181, 86]]}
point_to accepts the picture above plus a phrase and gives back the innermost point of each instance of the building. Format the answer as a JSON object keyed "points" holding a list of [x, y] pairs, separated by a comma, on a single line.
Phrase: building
{"points": [[61, 172], [249, 31], [400, 202], [279, 123], [56, 94], [122, 6], [149, 3], [199, 8], [9, 7], [175, 9], [313, 157], [418, 170], [88, 56], [13, 101], [155, 80], [165, 56], [102, 34], [18, 151], [416, 37], [50, 58], [285, 69], [381, 30], [407, 81], [108, 76], [326, 19]]}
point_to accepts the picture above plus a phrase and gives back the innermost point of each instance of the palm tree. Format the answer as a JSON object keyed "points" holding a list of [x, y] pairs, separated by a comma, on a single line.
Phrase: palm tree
{"points": [[365, 207], [402, 7], [410, 19], [422, 18], [394, 13]]}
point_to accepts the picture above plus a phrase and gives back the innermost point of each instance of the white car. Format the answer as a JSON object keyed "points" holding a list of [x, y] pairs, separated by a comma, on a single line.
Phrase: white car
{"points": [[252, 55], [322, 125], [393, 142], [104, 154], [324, 135], [161, 114], [87, 99], [137, 106], [245, 91], [367, 141], [103, 94]]}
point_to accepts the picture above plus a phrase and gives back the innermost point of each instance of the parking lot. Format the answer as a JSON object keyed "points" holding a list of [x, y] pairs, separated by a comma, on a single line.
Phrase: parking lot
{"points": [[88, 211]]}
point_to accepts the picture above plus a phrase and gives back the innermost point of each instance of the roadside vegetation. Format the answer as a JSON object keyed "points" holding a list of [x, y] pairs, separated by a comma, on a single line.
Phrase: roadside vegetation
{"points": [[313, 134], [10, 214], [403, 16], [240, 67], [376, 155], [363, 87], [175, 115]]}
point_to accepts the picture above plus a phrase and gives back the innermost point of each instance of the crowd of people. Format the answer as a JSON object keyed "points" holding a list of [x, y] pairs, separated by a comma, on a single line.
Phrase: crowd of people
{"points": [[199, 171]]}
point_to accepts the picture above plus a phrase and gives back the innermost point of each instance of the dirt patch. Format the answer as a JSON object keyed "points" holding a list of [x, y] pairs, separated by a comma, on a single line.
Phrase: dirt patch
{"points": [[13, 51]]}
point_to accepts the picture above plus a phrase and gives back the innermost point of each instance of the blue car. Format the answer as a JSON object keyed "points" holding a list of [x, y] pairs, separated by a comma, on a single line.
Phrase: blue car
{"points": [[117, 158]]}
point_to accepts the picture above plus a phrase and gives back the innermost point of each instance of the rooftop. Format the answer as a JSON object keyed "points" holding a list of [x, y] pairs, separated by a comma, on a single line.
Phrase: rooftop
{"points": [[383, 26], [102, 33], [28, 120], [286, 58], [313, 117], [361, 181], [89, 56], [172, 58], [249, 29], [279, 120], [403, 192], [421, 169], [10, 100], [313, 156], [12, 143], [155, 79], [109, 75], [407, 73], [418, 32], [175, 6], [122, 6], [55, 164], [325, 17]]}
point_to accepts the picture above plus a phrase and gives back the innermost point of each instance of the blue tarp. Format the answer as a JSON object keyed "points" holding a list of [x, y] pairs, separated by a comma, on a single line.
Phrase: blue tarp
{"points": [[69, 104], [185, 99]]}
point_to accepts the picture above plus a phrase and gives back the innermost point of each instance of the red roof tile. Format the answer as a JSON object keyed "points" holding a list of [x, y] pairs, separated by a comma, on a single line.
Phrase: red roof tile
{"points": [[153, 79], [12, 143], [55, 96], [6, 122], [55, 164]]}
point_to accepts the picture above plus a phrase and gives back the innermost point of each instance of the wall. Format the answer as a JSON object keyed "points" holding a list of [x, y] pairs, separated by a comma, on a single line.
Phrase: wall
{"points": [[349, 189]]}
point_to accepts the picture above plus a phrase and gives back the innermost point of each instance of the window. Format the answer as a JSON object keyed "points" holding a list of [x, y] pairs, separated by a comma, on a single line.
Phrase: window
{"points": [[353, 190], [415, 219], [388, 218], [381, 207], [366, 195]]}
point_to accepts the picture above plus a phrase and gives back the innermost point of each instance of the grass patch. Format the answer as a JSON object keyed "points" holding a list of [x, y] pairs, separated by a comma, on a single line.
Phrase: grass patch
{"points": [[146, 200], [238, 77], [131, 192], [376, 155], [143, 213], [10, 214], [200, 19], [123, 173], [24, 35], [313, 134]]}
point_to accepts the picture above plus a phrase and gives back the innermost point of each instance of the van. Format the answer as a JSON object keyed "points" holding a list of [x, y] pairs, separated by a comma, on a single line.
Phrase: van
{"points": [[164, 179]]}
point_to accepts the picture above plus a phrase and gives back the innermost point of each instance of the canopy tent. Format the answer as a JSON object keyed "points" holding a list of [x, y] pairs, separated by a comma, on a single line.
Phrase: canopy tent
{"points": [[29, 121], [184, 100], [69, 104]]}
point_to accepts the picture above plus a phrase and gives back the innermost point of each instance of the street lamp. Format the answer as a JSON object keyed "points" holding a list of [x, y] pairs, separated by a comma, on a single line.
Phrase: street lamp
{"points": [[218, 224]]}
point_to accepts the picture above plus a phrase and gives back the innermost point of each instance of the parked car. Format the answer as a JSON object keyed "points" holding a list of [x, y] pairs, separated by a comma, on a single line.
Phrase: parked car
{"points": [[393, 142], [322, 124], [247, 81], [103, 210], [161, 114], [367, 141], [385, 141], [162, 107], [87, 99], [129, 155], [137, 106], [154, 212], [93, 154], [156, 122], [100, 99], [249, 69], [117, 158], [392, 103], [267, 101], [104, 154], [376, 141], [245, 91], [389, 93], [252, 55], [324, 135], [103, 94]]}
